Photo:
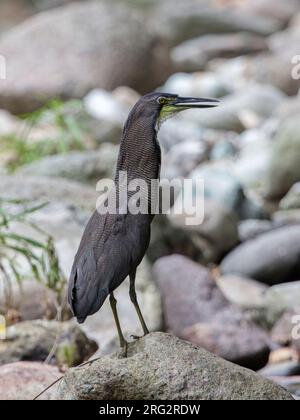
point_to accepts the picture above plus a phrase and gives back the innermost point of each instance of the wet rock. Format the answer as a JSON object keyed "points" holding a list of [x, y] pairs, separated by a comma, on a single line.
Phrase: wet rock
{"points": [[195, 374], [88, 166], [284, 168], [88, 32], [244, 292], [34, 340], [196, 310], [194, 54], [25, 380], [271, 257]]}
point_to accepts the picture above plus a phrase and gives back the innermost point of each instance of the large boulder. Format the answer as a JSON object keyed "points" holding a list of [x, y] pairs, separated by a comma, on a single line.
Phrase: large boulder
{"points": [[180, 21], [100, 45], [196, 310], [66, 344], [160, 366], [25, 380], [272, 257]]}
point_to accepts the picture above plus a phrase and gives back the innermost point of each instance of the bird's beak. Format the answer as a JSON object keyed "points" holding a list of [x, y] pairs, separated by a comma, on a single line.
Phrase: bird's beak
{"points": [[195, 102]]}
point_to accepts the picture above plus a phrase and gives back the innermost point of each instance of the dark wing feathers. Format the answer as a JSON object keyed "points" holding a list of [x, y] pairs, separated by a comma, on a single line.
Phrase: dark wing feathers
{"points": [[111, 246]]}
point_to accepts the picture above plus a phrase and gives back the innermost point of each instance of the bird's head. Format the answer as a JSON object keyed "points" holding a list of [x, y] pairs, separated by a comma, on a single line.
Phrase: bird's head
{"points": [[162, 106]]}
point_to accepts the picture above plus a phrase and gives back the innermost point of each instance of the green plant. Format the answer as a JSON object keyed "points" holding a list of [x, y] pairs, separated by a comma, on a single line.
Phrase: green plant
{"points": [[70, 133], [40, 255]]}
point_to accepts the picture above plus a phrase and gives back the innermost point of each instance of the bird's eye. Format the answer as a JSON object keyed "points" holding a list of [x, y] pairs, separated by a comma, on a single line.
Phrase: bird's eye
{"points": [[162, 100]]}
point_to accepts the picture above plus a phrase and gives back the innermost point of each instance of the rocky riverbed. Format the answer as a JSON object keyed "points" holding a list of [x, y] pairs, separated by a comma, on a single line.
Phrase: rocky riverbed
{"points": [[230, 285]]}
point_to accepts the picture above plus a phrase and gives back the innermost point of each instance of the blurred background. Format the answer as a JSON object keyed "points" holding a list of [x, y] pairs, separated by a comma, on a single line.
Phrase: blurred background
{"points": [[70, 71]]}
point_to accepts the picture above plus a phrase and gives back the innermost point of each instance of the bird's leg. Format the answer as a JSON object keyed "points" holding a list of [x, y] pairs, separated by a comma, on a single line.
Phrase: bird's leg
{"points": [[132, 294], [123, 342]]}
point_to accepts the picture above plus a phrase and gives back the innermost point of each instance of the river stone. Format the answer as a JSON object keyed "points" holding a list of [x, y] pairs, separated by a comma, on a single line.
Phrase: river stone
{"points": [[244, 292], [87, 166], [88, 32], [33, 341], [25, 380], [165, 368], [292, 199], [44, 189], [193, 18], [284, 168], [194, 54], [257, 100], [272, 257], [196, 310]]}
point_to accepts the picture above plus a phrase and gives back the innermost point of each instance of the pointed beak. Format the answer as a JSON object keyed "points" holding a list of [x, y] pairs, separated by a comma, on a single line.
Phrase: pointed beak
{"points": [[195, 102]]}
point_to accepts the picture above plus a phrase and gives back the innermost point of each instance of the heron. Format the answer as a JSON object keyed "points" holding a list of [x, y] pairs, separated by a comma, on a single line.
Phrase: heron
{"points": [[113, 245]]}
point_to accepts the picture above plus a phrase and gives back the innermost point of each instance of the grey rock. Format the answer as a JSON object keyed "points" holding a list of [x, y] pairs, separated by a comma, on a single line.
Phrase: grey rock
{"points": [[78, 166], [34, 340], [292, 199], [284, 168], [223, 150], [192, 18], [206, 84], [222, 186], [276, 68], [218, 227], [183, 158], [30, 299], [279, 11], [251, 228], [8, 124], [282, 331], [241, 291], [166, 368], [258, 101], [290, 383], [281, 369], [196, 310], [272, 257], [43, 189], [282, 298], [194, 54], [87, 32], [25, 380]]}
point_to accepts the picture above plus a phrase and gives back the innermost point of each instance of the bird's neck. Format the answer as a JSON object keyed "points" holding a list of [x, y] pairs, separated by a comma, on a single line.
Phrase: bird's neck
{"points": [[140, 154]]}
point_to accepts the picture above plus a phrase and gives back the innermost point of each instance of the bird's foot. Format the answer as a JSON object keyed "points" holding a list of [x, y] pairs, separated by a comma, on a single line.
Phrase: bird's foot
{"points": [[138, 337], [124, 349]]}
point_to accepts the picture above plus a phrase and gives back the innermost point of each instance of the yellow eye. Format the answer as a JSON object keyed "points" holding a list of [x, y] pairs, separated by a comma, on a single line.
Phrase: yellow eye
{"points": [[162, 100]]}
